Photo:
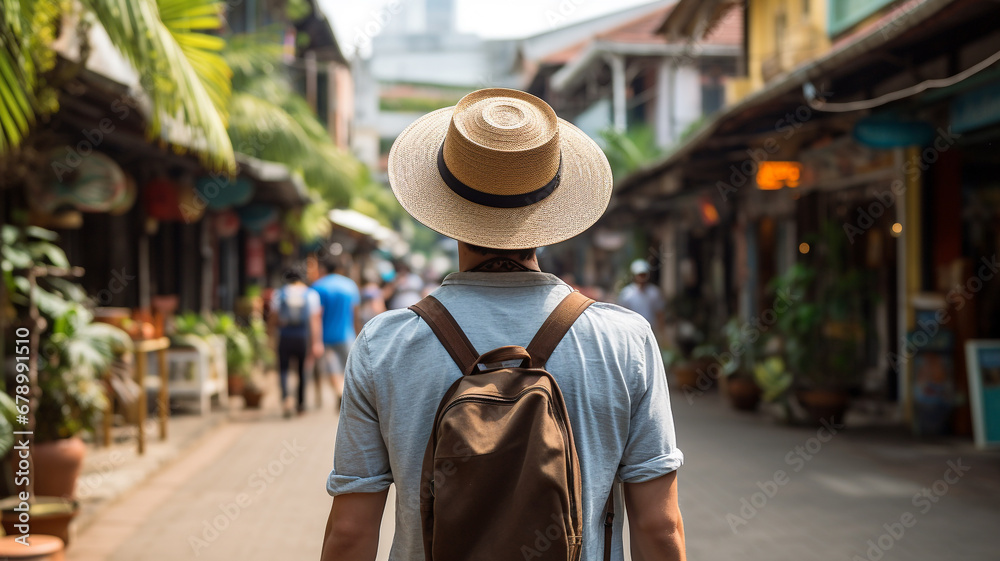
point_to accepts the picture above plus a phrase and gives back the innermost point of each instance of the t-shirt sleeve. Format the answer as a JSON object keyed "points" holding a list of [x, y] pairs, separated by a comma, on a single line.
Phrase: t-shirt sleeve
{"points": [[651, 450], [315, 304], [360, 459]]}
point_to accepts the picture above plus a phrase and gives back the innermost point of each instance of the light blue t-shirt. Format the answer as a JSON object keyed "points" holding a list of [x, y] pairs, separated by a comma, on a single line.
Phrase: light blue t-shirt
{"points": [[338, 296], [608, 367]]}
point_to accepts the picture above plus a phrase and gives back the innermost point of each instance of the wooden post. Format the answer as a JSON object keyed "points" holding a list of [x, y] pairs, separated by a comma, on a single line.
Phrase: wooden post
{"points": [[163, 404], [109, 410], [141, 403]]}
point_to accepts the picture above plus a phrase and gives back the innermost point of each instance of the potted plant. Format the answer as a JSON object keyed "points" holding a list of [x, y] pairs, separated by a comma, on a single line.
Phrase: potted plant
{"points": [[240, 359], [76, 352], [683, 310], [263, 358], [823, 332], [704, 359], [737, 380], [774, 381], [209, 332]]}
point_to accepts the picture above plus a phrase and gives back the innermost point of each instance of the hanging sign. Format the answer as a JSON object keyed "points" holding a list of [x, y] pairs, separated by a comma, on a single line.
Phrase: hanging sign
{"points": [[91, 183], [219, 193], [256, 216]]}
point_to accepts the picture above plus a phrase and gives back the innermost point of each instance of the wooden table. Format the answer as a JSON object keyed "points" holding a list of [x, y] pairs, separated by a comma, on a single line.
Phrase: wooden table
{"points": [[142, 349]]}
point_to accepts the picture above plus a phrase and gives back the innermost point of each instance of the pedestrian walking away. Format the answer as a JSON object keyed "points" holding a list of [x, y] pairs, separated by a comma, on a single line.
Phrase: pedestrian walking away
{"points": [[339, 297], [295, 316], [514, 453], [641, 296]]}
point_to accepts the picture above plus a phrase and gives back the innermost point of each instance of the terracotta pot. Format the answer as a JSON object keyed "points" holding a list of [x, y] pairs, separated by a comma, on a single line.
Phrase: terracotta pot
{"points": [[686, 374], [57, 466], [236, 385], [824, 404], [743, 393], [252, 397], [40, 548], [707, 372], [49, 516]]}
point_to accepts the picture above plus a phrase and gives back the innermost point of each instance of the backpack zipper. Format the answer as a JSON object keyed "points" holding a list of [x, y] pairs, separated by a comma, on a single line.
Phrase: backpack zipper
{"points": [[495, 398]]}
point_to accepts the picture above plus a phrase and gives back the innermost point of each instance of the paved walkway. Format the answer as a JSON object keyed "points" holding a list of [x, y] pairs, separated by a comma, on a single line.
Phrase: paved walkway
{"points": [[750, 490]]}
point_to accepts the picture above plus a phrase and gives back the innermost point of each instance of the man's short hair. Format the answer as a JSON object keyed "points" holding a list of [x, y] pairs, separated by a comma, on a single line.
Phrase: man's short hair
{"points": [[331, 264], [294, 274], [522, 254]]}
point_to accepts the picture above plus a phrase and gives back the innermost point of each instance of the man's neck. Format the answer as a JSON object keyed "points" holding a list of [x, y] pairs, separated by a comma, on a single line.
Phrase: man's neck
{"points": [[469, 260]]}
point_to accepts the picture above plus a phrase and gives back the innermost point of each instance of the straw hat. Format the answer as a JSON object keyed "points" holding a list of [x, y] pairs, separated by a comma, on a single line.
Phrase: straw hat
{"points": [[500, 170]]}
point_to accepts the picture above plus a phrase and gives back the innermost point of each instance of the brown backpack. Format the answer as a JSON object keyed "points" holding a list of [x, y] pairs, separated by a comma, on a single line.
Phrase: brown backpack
{"points": [[501, 477]]}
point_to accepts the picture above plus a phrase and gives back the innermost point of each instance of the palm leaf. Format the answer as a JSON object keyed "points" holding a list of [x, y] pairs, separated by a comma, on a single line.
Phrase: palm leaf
{"points": [[25, 28], [181, 69]]}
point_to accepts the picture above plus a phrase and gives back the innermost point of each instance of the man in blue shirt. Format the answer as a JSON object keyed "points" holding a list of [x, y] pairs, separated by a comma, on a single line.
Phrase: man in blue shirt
{"points": [[339, 297]]}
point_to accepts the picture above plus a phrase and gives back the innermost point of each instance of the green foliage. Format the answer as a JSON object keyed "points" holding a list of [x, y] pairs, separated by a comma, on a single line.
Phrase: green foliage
{"points": [[741, 348], [27, 247], [798, 325], [246, 346], [773, 378], [296, 10], [630, 150], [8, 414], [270, 121], [415, 104], [73, 358], [169, 42], [27, 28], [75, 351], [829, 296]]}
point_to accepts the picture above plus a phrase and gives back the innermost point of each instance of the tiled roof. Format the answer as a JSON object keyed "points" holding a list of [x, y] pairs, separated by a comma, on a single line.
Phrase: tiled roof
{"points": [[643, 30], [728, 30]]}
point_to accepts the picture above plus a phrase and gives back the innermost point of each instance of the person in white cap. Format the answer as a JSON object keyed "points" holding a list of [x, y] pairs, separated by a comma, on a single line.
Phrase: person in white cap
{"points": [[641, 296], [500, 173]]}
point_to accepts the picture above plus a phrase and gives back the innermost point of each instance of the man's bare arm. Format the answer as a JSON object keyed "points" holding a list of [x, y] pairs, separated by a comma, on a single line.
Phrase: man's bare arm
{"points": [[654, 519], [352, 529], [316, 334]]}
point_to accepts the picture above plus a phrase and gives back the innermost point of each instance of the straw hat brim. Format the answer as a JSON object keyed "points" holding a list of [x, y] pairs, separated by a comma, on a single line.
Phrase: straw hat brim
{"points": [[576, 204]]}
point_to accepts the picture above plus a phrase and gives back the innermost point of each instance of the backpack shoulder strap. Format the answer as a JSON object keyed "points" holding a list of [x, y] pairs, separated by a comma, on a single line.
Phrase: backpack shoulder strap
{"points": [[443, 324], [555, 327]]}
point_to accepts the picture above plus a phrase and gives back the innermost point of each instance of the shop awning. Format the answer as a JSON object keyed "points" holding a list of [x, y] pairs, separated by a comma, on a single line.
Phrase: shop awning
{"points": [[365, 225], [275, 183]]}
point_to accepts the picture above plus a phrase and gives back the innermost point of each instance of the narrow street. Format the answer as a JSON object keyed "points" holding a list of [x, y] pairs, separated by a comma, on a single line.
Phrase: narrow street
{"points": [[253, 490]]}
